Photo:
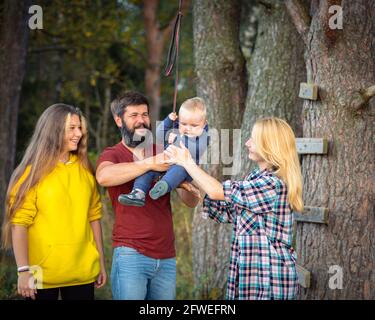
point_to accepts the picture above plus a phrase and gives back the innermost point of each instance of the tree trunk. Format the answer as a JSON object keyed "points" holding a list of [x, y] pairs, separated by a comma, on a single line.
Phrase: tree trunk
{"points": [[13, 48], [106, 115], [342, 64], [155, 45], [220, 71], [275, 67]]}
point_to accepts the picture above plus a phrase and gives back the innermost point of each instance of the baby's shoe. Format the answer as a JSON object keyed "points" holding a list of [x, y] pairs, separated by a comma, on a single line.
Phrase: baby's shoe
{"points": [[159, 190], [134, 198]]}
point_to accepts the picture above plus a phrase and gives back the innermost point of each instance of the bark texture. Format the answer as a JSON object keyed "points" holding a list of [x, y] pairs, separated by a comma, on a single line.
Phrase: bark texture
{"points": [[275, 68], [342, 64]]}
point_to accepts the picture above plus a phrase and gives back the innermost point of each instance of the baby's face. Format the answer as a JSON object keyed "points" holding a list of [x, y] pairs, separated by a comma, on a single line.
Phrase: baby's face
{"points": [[191, 123]]}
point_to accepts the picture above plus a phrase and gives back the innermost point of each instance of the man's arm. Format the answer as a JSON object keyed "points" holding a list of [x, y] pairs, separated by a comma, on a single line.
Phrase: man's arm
{"points": [[109, 174]]}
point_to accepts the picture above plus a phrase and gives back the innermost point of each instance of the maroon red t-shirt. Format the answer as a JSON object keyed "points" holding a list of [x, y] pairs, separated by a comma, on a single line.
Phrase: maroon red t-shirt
{"points": [[148, 229]]}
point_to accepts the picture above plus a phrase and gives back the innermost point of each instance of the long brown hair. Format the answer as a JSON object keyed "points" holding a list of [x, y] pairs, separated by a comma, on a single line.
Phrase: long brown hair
{"points": [[276, 144], [40, 158]]}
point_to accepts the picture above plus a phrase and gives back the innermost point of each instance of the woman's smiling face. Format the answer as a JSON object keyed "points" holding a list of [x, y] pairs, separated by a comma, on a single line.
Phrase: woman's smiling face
{"points": [[73, 133]]}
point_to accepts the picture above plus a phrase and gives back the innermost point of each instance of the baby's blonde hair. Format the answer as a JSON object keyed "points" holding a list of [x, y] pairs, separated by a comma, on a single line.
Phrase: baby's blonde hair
{"points": [[195, 104]]}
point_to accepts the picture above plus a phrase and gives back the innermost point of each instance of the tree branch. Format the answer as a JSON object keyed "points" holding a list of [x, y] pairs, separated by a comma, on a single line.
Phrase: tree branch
{"points": [[362, 97], [58, 47], [49, 48], [300, 17]]}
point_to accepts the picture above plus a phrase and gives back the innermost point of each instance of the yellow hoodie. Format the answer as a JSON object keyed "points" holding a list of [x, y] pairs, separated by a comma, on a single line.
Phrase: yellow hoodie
{"points": [[58, 212]]}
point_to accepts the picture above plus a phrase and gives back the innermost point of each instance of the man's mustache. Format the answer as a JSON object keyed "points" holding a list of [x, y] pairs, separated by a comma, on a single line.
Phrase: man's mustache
{"points": [[141, 126]]}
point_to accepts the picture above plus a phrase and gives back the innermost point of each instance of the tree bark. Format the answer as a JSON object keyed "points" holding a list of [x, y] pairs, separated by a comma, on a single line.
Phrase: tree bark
{"points": [[342, 64], [276, 68], [220, 71], [13, 48]]}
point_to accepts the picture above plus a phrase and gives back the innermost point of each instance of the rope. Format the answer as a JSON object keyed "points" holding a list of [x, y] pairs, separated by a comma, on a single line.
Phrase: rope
{"points": [[173, 53]]}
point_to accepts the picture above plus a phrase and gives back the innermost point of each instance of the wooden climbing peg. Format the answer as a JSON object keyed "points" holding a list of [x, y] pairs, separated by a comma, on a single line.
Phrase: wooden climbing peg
{"points": [[312, 145], [313, 214], [308, 91], [304, 276]]}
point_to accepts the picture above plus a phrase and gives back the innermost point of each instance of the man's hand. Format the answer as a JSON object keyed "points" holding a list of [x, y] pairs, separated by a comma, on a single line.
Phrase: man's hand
{"points": [[157, 163], [191, 188]]}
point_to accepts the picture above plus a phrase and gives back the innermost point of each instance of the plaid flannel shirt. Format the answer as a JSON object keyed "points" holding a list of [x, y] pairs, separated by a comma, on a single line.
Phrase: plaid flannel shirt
{"points": [[262, 260]]}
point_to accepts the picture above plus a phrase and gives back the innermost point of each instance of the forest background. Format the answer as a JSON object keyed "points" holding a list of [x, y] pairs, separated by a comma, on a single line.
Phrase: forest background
{"points": [[247, 59]]}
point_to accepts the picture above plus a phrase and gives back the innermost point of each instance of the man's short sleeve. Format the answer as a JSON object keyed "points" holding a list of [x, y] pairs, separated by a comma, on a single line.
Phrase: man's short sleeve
{"points": [[109, 154]]}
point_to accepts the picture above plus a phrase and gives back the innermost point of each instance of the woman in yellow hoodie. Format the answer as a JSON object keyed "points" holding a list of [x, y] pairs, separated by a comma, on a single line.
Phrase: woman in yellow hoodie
{"points": [[53, 212]]}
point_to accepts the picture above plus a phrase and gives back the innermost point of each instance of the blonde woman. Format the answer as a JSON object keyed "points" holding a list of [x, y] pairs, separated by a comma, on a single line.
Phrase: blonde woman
{"points": [[260, 207], [53, 212]]}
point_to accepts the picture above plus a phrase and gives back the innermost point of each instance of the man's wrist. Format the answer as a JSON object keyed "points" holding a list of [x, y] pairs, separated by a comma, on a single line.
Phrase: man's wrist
{"points": [[146, 164]]}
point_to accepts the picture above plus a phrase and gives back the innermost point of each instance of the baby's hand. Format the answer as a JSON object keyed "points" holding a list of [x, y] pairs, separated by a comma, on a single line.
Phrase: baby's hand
{"points": [[171, 138], [173, 116]]}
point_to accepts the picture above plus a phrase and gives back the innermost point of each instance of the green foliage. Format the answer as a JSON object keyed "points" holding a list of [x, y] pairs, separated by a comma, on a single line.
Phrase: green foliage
{"points": [[8, 276], [182, 221], [105, 292], [88, 49]]}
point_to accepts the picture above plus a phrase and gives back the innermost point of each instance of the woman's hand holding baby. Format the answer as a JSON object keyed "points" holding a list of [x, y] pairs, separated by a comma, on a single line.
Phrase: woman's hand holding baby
{"points": [[180, 156]]}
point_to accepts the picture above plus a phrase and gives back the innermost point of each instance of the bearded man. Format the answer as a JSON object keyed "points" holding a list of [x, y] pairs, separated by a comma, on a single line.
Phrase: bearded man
{"points": [[144, 257]]}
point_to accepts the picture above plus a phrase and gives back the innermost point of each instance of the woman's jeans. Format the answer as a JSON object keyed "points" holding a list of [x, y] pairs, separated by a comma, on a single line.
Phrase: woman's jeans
{"points": [[137, 277]]}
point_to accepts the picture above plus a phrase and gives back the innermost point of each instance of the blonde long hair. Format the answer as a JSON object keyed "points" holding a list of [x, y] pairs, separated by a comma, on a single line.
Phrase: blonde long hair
{"points": [[276, 144], [41, 156]]}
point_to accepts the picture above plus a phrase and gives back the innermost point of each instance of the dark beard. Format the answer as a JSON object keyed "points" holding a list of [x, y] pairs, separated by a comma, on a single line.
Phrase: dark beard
{"points": [[131, 139]]}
